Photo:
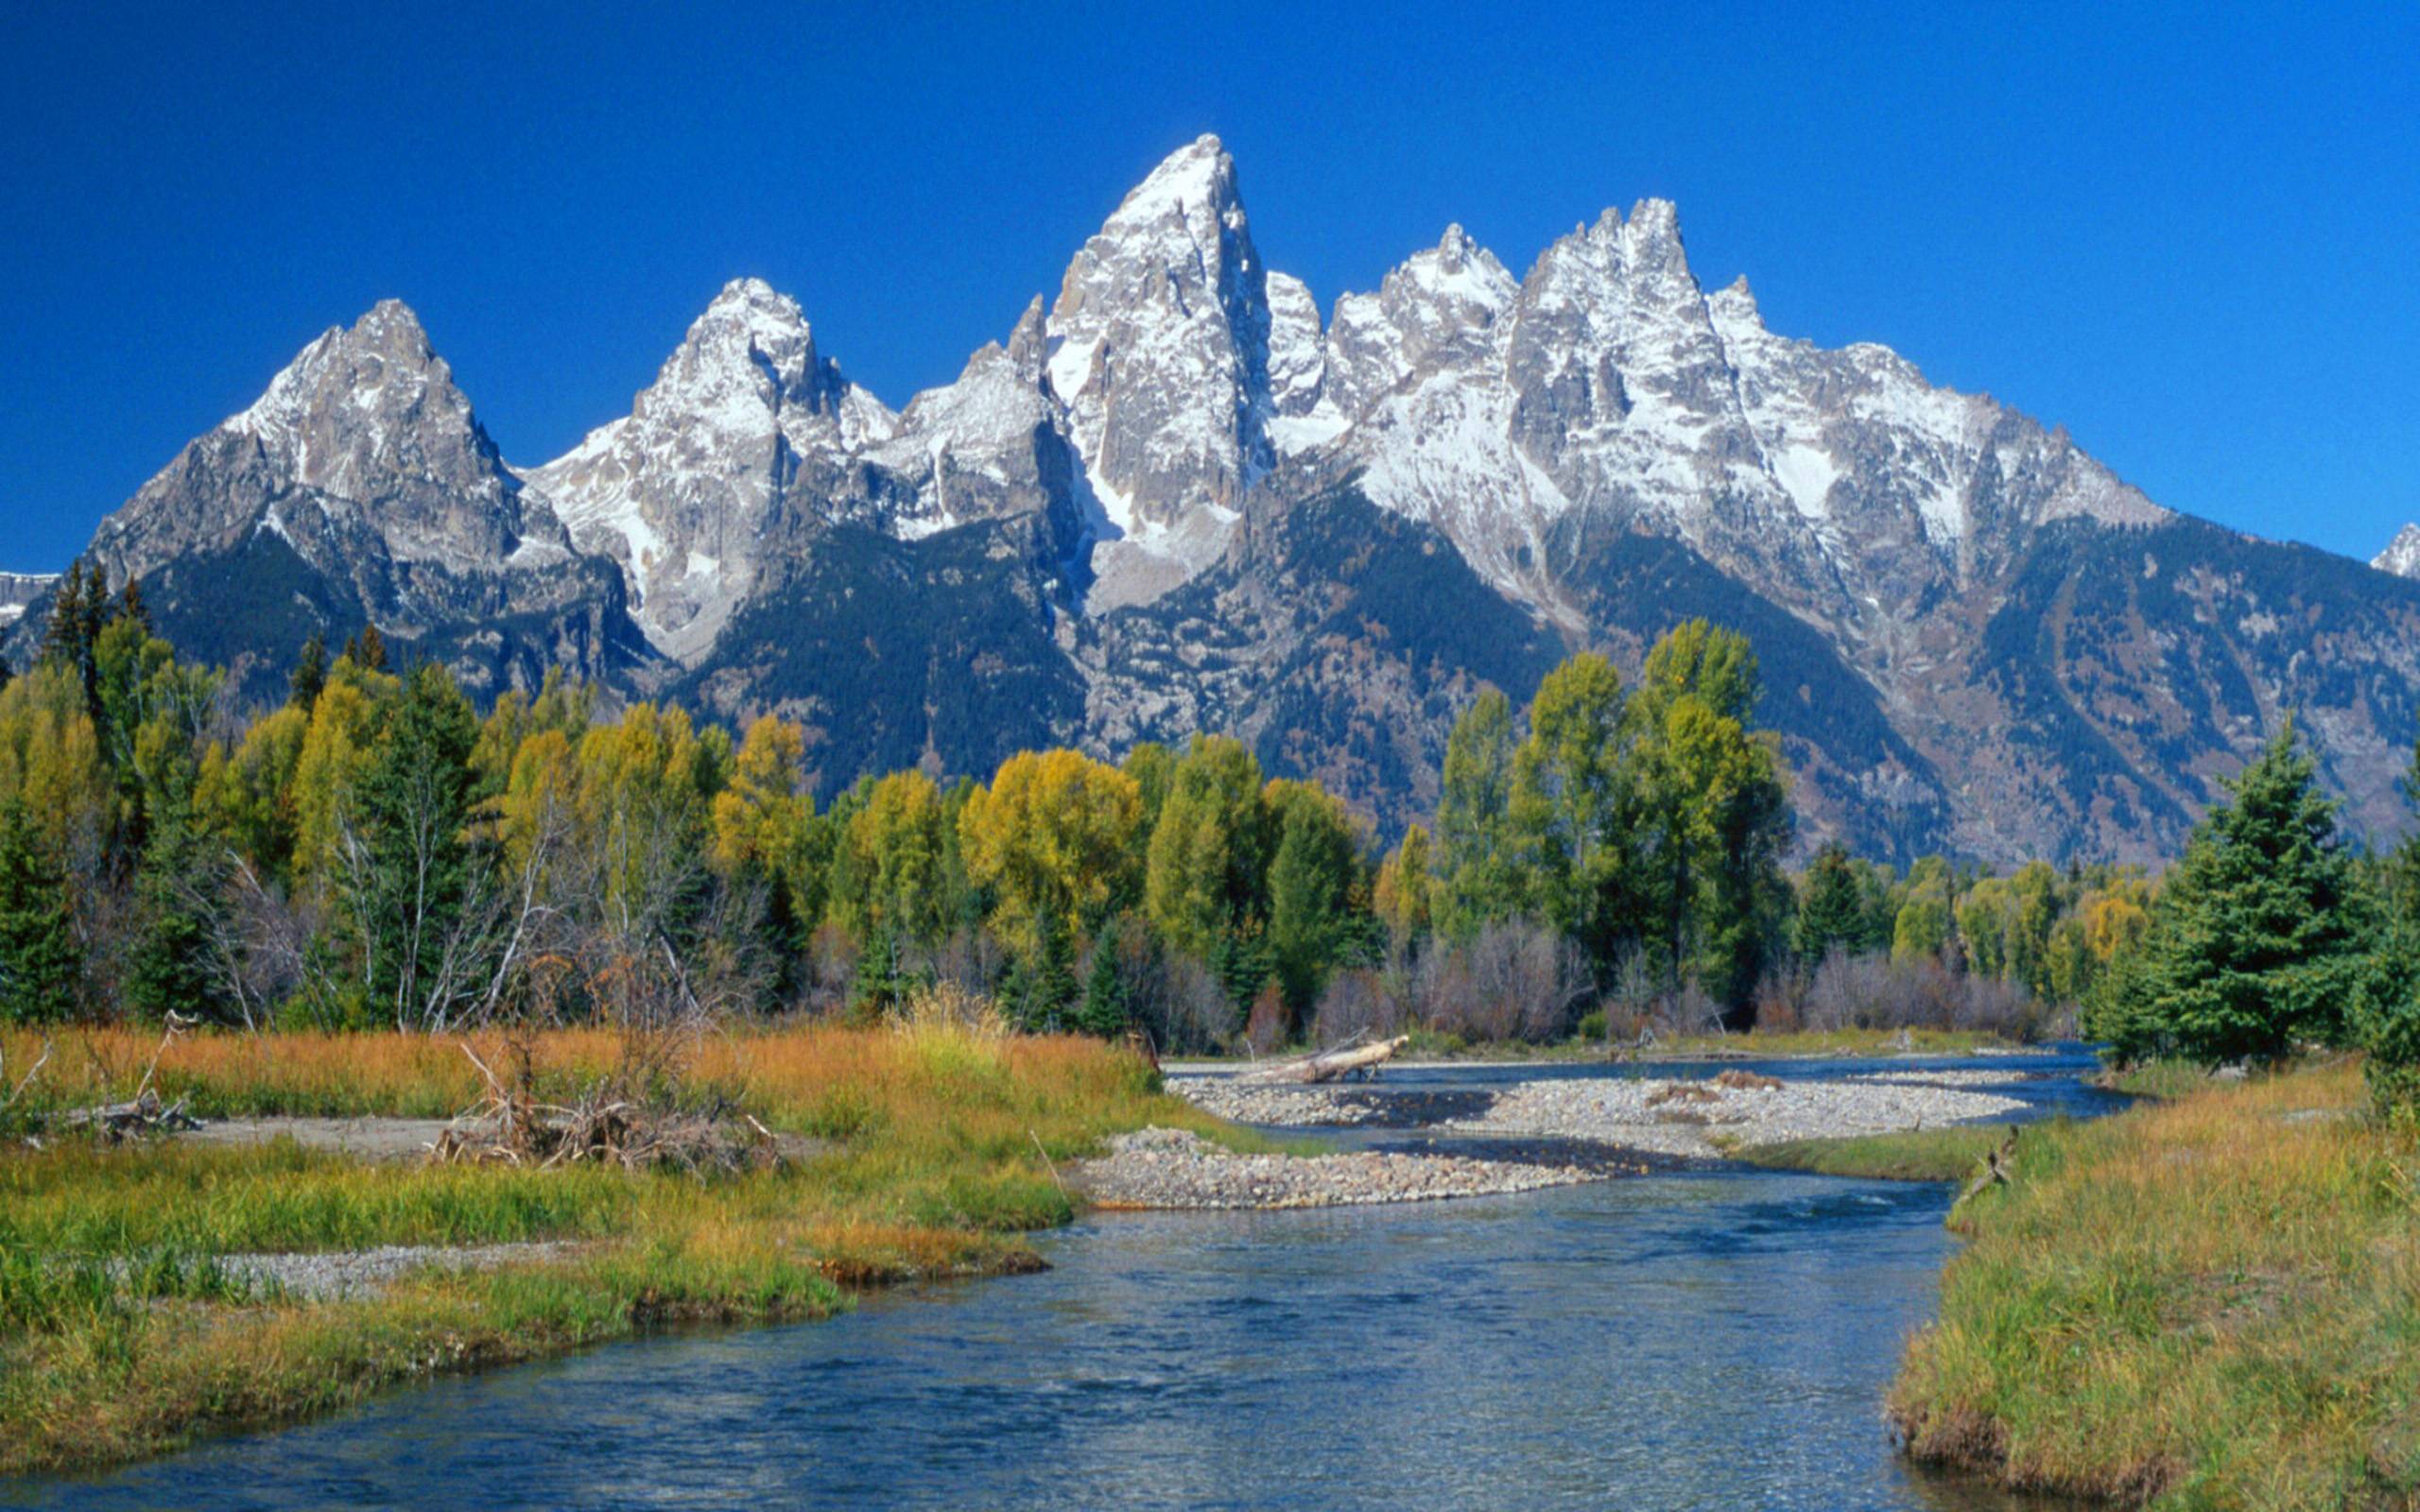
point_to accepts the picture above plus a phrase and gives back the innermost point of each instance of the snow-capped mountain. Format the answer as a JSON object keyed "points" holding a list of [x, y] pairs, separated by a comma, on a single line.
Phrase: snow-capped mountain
{"points": [[2402, 554], [360, 488], [1175, 498], [746, 416], [18, 591]]}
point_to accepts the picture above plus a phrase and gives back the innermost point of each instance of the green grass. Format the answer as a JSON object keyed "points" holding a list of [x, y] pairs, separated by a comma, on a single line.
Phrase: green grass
{"points": [[120, 1337], [2211, 1302], [1950, 1154], [2157, 1078]]}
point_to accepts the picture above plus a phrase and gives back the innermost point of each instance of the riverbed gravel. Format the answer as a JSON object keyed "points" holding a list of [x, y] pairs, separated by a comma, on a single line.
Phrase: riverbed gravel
{"points": [[1699, 1118], [341, 1275], [1176, 1168]]}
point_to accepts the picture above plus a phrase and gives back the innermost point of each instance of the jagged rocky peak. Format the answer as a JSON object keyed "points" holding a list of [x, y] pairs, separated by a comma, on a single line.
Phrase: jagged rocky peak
{"points": [[988, 445], [1440, 307], [364, 430], [364, 402], [1160, 352], [2402, 554], [681, 491], [752, 358]]}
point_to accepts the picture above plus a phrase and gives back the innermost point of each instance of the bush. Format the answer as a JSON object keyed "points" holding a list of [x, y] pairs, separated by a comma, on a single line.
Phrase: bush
{"points": [[1876, 991], [1511, 981], [2387, 1013], [1358, 1005]]}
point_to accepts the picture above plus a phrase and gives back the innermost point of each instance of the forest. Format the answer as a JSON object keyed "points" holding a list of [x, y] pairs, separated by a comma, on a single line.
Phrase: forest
{"points": [[1607, 861]]}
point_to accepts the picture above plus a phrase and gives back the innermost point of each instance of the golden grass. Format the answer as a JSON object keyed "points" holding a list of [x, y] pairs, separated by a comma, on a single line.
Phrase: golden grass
{"points": [[1947, 1154], [2210, 1303], [945, 1139]]}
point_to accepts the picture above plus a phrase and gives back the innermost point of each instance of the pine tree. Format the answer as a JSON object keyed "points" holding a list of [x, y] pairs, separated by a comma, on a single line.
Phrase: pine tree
{"points": [[39, 963], [177, 883], [1042, 986], [310, 675], [1473, 849], [1107, 1008], [2260, 938], [79, 610], [131, 607], [413, 859], [1832, 914], [1310, 895]]}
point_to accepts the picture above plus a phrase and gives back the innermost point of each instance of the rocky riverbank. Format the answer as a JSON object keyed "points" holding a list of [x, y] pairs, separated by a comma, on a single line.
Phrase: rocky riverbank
{"points": [[1173, 1168], [1707, 1118], [1585, 1126]]}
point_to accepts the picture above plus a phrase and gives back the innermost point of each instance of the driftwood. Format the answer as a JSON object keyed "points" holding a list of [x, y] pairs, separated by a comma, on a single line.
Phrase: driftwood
{"points": [[1360, 1062], [137, 1117], [1328, 1065], [509, 1127], [1997, 1165], [129, 1120]]}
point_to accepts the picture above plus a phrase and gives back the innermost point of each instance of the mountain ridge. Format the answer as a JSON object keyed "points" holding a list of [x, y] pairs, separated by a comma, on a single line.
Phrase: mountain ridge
{"points": [[1096, 509]]}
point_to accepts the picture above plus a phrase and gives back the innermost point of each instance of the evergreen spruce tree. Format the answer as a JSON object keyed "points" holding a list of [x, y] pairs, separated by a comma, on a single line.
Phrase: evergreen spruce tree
{"points": [[39, 963], [310, 675], [412, 806], [1045, 983], [78, 609], [2260, 937], [1831, 916], [131, 607], [1106, 1009], [177, 883]]}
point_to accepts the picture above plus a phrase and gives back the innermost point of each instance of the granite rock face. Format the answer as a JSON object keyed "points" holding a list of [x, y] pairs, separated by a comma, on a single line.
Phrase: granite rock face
{"points": [[1174, 498]]}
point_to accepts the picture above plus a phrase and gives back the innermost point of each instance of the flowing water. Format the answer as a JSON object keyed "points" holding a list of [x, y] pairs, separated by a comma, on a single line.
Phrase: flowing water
{"points": [[1704, 1339]]}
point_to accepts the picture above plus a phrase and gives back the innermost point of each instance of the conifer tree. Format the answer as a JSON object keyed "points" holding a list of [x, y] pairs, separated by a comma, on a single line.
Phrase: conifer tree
{"points": [[177, 883], [1832, 914], [310, 672], [1473, 858], [410, 863], [39, 962], [1107, 1006], [2258, 939]]}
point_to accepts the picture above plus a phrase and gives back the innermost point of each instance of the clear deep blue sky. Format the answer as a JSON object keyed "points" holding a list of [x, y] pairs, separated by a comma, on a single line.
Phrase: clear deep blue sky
{"points": [[2189, 238]]}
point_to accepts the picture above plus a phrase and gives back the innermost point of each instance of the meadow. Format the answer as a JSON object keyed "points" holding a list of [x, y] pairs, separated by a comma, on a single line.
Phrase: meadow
{"points": [[2210, 1301], [121, 1335]]}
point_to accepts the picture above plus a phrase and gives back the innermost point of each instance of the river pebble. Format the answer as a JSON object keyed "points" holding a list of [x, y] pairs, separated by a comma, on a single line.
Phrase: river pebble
{"points": [[340, 1275], [1701, 1119], [1175, 1168]]}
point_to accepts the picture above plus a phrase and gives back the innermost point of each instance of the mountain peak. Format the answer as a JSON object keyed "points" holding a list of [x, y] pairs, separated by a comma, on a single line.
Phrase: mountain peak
{"points": [[1198, 174], [2402, 554]]}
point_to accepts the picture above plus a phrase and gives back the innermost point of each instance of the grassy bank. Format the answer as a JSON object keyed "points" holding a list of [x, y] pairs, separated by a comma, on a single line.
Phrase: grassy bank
{"points": [[2208, 1302], [120, 1337], [1917, 1155]]}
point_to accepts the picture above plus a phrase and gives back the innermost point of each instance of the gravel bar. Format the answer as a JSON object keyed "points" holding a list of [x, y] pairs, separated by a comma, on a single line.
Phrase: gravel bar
{"points": [[1699, 1118], [1175, 1168], [342, 1274]]}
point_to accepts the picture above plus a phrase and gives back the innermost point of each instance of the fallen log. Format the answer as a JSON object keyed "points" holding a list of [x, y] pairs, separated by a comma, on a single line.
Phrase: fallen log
{"points": [[1997, 1165], [1362, 1060], [121, 1120]]}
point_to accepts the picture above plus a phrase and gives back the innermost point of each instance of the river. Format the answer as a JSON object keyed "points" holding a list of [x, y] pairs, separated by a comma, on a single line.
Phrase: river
{"points": [[1702, 1339]]}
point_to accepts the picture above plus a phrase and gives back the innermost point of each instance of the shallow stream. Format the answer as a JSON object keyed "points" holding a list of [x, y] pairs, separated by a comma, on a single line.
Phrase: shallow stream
{"points": [[1700, 1339]]}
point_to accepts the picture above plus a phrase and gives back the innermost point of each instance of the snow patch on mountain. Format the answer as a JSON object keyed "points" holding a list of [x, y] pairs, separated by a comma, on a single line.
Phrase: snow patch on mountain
{"points": [[2402, 554]]}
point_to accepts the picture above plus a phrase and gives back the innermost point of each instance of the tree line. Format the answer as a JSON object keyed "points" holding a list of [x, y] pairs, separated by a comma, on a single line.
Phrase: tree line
{"points": [[379, 852]]}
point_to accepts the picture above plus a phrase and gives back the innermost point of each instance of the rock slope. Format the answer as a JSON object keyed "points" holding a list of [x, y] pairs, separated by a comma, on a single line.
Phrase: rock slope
{"points": [[1175, 498]]}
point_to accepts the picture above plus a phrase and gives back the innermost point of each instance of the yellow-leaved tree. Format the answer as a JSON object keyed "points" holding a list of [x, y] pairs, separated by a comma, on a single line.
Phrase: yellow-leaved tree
{"points": [[1054, 834]]}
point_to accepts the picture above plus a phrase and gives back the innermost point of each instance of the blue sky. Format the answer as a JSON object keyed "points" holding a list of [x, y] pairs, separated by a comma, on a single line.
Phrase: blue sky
{"points": [[2188, 237]]}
